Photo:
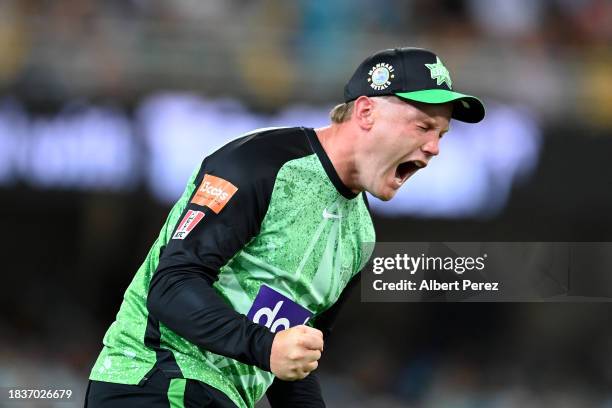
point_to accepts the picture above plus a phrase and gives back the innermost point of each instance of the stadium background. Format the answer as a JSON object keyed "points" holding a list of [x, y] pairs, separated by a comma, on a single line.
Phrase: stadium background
{"points": [[105, 106]]}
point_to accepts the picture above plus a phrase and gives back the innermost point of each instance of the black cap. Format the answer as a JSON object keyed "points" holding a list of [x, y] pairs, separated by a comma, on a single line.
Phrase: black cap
{"points": [[414, 74]]}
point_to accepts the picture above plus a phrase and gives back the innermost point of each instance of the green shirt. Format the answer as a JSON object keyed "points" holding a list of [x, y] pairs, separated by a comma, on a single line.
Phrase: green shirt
{"points": [[269, 217]]}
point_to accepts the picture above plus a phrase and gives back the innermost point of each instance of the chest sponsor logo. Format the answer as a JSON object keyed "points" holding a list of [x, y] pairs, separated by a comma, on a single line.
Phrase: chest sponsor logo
{"points": [[276, 312], [189, 221], [214, 192]]}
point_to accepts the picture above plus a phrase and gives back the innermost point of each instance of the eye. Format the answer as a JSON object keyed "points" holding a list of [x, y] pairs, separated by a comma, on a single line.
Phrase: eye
{"points": [[423, 128]]}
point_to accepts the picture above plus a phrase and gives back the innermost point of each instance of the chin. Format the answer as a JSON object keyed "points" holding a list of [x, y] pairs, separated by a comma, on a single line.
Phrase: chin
{"points": [[385, 195]]}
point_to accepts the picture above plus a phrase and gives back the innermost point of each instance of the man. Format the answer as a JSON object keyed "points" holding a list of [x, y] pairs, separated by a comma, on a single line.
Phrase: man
{"points": [[239, 291]]}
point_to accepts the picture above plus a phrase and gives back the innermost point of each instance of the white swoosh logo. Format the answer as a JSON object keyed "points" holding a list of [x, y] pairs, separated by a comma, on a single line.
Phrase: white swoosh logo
{"points": [[328, 215]]}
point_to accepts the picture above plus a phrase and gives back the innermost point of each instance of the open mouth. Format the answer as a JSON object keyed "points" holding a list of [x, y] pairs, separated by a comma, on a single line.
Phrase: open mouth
{"points": [[407, 169]]}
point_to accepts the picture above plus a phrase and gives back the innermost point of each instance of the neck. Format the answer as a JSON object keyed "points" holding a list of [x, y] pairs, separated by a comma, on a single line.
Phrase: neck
{"points": [[339, 142]]}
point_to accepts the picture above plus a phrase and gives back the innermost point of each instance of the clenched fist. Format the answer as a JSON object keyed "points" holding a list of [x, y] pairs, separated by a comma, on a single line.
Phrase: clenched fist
{"points": [[295, 352]]}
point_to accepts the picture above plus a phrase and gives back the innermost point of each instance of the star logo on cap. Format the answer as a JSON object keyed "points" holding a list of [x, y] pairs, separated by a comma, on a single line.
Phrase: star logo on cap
{"points": [[439, 72]]}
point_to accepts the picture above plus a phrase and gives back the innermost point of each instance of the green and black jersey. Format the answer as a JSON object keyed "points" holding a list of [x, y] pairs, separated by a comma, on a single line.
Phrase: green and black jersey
{"points": [[265, 237]]}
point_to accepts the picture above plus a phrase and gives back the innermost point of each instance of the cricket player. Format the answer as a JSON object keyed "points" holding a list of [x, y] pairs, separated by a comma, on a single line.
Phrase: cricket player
{"points": [[239, 292]]}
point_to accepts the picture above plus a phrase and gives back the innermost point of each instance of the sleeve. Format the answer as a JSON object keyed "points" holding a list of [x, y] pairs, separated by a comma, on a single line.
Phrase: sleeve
{"points": [[224, 213], [306, 393], [327, 320]]}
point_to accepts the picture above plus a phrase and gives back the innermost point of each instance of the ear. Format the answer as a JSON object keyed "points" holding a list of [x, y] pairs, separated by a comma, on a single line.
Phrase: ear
{"points": [[363, 112]]}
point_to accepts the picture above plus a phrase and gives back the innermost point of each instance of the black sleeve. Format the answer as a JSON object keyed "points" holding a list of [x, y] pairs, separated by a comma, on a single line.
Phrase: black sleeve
{"points": [[326, 320], [306, 393], [181, 295], [187, 304]]}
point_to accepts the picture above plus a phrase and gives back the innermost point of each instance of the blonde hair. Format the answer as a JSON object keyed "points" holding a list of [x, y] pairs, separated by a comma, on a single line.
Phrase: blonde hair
{"points": [[342, 112]]}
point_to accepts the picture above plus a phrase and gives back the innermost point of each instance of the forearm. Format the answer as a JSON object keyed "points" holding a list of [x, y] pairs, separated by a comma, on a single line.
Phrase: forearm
{"points": [[186, 303]]}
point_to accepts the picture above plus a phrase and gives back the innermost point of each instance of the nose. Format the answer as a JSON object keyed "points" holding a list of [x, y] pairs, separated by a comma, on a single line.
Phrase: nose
{"points": [[431, 148]]}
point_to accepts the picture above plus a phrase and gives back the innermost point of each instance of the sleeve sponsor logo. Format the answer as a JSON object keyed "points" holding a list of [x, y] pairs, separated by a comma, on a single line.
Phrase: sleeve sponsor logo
{"points": [[214, 193], [189, 221], [275, 311]]}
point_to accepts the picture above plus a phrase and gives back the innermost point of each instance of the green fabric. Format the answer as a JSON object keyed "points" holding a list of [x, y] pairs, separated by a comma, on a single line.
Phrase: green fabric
{"points": [[436, 96], [299, 253], [176, 393], [124, 358]]}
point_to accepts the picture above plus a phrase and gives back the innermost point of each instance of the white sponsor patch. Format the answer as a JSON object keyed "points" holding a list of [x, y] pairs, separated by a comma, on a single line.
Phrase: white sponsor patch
{"points": [[190, 220]]}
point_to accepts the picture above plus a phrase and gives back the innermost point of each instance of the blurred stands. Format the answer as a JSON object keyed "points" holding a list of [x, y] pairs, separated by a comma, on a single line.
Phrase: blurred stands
{"points": [[554, 56]]}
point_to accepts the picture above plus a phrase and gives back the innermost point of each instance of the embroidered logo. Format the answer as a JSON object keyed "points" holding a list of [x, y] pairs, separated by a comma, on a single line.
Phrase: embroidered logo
{"points": [[439, 72], [380, 76]]}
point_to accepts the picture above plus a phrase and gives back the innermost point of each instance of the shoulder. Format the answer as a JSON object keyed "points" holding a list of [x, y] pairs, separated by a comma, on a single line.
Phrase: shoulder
{"points": [[260, 153], [249, 165]]}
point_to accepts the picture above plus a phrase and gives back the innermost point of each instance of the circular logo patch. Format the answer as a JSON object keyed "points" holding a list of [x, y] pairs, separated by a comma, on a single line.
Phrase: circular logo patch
{"points": [[380, 76]]}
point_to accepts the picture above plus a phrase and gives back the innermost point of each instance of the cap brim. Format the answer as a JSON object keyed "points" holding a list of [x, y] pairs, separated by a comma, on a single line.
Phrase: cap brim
{"points": [[466, 108]]}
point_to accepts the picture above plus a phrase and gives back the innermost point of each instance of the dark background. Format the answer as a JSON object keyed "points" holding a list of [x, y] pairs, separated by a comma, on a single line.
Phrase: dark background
{"points": [[68, 254]]}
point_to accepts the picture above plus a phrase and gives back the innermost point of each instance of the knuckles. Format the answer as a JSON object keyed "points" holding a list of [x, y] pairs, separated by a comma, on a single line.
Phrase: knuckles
{"points": [[295, 356]]}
